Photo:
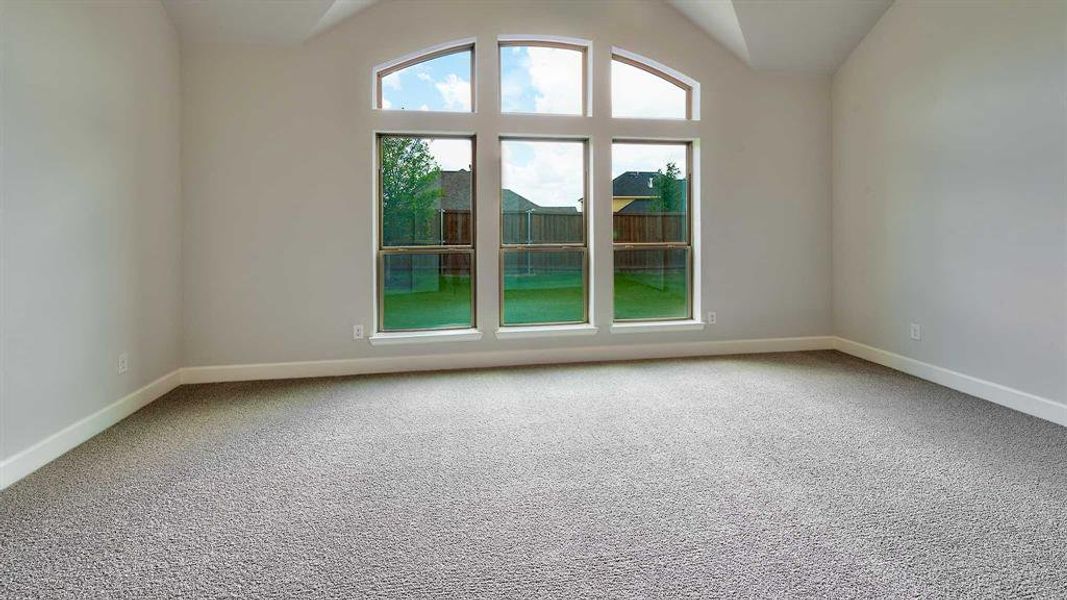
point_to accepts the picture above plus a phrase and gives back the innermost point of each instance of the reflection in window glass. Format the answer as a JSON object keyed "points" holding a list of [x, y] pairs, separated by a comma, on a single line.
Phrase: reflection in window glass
{"points": [[426, 248], [544, 286], [543, 232], [650, 219], [638, 93], [651, 284], [438, 84], [426, 291], [426, 191], [541, 79]]}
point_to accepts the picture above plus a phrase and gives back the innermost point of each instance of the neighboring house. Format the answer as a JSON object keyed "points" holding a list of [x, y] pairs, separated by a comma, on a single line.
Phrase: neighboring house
{"points": [[634, 192], [456, 194]]}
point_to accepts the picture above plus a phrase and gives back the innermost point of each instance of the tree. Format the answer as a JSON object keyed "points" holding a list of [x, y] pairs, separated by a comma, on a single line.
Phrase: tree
{"points": [[410, 190], [669, 195]]}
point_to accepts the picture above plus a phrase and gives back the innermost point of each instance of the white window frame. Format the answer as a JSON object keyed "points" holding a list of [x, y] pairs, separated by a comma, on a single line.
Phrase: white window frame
{"points": [[596, 126]]}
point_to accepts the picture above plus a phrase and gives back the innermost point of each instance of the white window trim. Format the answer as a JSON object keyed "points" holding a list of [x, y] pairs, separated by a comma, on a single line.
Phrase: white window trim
{"points": [[537, 331], [695, 244], [624, 327], [422, 337], [387, 337]]}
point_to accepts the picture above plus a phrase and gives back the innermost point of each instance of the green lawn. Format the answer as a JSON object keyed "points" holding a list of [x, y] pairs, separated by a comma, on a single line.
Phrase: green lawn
{"points": [[544, 298], [648, 296], [449, 306]]}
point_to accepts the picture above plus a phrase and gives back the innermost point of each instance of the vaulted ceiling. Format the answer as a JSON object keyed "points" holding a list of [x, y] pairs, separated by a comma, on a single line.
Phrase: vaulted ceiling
{"points": [[793, 35]]}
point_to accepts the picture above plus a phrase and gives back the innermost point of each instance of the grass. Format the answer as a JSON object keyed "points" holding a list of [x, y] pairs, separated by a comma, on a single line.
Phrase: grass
{"points": [[542, 299]]}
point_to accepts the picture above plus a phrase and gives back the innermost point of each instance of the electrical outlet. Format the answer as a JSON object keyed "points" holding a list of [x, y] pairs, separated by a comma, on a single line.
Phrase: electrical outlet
{"points": [[123, 363], [711, 318], [916, 331], [357, 332]]}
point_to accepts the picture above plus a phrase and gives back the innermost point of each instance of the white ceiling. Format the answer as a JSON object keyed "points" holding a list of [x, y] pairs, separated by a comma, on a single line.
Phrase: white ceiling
{"points": [[792, 35]]}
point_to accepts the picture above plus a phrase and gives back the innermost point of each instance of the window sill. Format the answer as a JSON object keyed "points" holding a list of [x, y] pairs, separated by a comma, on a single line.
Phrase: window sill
{"points": [[424, 337], [657, 326], [536, 331]]}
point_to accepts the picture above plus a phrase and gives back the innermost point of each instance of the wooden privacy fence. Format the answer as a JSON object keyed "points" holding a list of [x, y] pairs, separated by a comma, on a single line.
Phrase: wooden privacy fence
{"points": [[454, 228], [641, 228], [542, 228]]}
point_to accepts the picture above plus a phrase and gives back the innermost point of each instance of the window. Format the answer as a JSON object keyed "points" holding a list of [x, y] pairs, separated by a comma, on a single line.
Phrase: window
{"points": [[639, 90], [436, 81], [544, 274], [425, 239], [542, 77], [651, 230], [426, 201]]}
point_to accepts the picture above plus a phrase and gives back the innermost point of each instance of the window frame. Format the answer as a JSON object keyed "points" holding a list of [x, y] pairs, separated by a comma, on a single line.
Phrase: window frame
{"points": [[580, 46], [690, 86], [384, 70], [688, 245], [381, 250], [583, 246]]}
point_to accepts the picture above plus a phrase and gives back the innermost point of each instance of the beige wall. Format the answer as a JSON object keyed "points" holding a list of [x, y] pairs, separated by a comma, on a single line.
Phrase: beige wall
{"points": [[278, 196], [950, 205], [91, 209]]}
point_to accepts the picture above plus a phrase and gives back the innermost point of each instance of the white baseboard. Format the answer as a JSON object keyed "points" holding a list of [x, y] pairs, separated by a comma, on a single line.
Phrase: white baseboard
{"points": [[1025, 402], [470, 360], [52, 447]]}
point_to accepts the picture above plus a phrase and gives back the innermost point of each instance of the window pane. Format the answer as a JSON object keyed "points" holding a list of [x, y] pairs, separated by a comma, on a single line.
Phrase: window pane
{"points": [[544, 287], [652, 284], [539, 79], [442, 84], [649, 193], [426, 291], [636, 92], [543, 185], [426, 191]]}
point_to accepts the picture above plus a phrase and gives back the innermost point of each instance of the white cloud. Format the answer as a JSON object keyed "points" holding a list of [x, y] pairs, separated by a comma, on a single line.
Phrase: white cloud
{"points": [[646, 157], [392, 81], [451, 154], [455, 92], [423, 76], [386, 103], [556, 75], [638, 93], [547, 173]]}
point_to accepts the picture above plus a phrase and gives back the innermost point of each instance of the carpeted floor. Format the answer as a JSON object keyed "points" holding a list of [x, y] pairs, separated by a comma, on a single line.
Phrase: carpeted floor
{"points": [[811, 474]]}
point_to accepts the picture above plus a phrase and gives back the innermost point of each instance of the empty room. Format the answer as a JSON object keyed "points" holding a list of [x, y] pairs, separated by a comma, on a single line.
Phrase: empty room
{"points": [[516, 299]]}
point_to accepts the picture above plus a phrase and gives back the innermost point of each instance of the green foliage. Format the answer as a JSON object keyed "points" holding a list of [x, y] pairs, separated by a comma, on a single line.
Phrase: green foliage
{"points": [[410, 191], [669, 194]]}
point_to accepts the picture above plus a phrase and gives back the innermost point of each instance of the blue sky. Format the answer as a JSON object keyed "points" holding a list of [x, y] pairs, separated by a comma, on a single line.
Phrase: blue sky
{"points": [[441, 84], [538, 79]]}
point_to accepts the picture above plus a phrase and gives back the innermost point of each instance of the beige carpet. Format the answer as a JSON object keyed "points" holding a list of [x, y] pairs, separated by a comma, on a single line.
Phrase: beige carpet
{"points": [[810, 474]]}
